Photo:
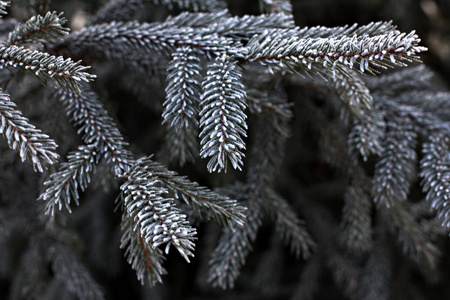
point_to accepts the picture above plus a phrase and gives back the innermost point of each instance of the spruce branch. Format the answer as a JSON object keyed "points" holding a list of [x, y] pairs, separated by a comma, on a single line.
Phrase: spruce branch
{"points": [[429, 110], [181, 107], [288, 226], [335, 150], [354, 93], [234, 245], [371, 29], [265, 158], [397, 83], [427, 119], [39, 29], [344, 271], [287, 49], [356, 221], [97, 127], [199, 19], [222, 116], [221, 208], [3, 7], [62, 187], [133, 40], [142, 257], [33, 267], [395, 169], [181, 144], [242, 27], [377, 274], [416, 243], [103, 140], [156, 218], [69, 269], [33, 145], [247, 26], [308, 284], [45, 67], [366, 134], [435, 173]]}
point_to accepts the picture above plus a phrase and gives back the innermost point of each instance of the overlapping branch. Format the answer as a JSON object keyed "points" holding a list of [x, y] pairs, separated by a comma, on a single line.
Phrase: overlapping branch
{"points": [[435, 173], [221, 208], [156, 218], [395, 169], [222, 117], [33, 145], [288, 49], [47, 68], [181, 107], [38, 29]]}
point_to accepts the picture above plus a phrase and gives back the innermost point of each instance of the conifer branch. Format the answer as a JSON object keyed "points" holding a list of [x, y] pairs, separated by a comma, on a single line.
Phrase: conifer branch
{"points": [[368, 128], [425, 122], [308, 284], [369, 30], [103, 140], [435, 104], [216, 65], [344, 271], [47, 68], [157, 219], [199, 19], [397, 83], [354, 93], [143, 258], [335, 149], [247, 26], [377, 274], [182, 143], [181, 107], [222, 116], [33, 145], [411, 235], [221, 208], [3, 6], [288, 226], [395, 169], [287, 49], [73, 273], [231, 26], [435, 173], [366, 135], [131, 40], [231, 252], [97, 127], [356, 221], [265, 158], [62, 188], [39, 29]]}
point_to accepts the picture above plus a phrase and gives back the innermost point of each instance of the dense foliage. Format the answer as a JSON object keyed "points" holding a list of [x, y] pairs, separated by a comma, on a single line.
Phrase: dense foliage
{"points": [[278, 159]]}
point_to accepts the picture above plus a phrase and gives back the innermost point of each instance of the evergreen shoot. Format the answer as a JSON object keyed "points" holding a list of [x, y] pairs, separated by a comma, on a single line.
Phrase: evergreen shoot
{"points": [[279, 160]]}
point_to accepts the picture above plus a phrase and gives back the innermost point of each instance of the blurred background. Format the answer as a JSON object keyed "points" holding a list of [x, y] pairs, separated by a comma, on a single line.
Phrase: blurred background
{"points": [[429, 18]]}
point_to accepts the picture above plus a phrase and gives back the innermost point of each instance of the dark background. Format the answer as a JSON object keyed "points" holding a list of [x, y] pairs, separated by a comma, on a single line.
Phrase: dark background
{"points": [[431, 20]]}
